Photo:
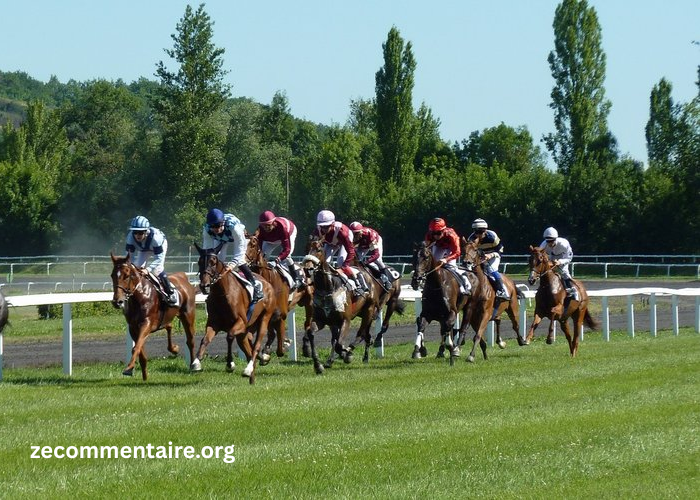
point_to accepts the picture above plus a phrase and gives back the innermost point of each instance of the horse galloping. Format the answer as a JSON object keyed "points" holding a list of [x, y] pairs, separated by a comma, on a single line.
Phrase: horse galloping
{"points": [[484, 306], [286, 298], [137, 295], [335, 306], [442, 301], [551, 301], [230, 310]]}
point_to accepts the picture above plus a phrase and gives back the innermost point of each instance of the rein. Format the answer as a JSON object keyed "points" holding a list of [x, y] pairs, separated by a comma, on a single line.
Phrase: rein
{"points": [[128, 292]]}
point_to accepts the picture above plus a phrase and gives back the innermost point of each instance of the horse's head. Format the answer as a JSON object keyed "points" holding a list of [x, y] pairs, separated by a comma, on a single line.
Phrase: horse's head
{"points": [[125, 280], [538, 262], [253, 253], [472, 256], [315, 247], [423, 263], [210, 267]]}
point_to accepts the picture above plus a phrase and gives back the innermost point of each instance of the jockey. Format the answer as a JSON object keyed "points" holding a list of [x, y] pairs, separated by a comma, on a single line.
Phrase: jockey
{"points": [[337, 240], [489, 242], [227, 229], [444, 244], [279, 233], [560, 253], [144, 240], [370, 249]]}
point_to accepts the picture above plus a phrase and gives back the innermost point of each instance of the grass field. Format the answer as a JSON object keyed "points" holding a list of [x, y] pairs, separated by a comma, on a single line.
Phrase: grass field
{"points": [[622, 420]]}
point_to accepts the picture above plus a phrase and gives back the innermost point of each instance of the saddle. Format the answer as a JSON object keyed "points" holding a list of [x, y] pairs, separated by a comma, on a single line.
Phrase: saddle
{"points": [[461, 274], [246, 284], [161, 291]]}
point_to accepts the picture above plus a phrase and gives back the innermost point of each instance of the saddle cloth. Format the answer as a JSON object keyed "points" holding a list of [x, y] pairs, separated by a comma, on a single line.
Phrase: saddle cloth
{"points": [[159, 288], [246, 284]]}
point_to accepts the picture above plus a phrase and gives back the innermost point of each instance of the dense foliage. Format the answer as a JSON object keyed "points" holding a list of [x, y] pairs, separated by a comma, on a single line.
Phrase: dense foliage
{"points": [[78, 160]]}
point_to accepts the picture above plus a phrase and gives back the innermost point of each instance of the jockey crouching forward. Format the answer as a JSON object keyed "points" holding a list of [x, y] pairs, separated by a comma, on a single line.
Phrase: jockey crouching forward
{"points": [[560, 253], [279, 233], [489, 242], [227, 229], [143, 241], [370, 249], [337, 240], [444, 245]]}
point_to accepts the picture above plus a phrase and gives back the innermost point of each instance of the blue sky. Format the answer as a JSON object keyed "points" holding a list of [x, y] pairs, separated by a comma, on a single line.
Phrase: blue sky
{"points": [[480, 63]]}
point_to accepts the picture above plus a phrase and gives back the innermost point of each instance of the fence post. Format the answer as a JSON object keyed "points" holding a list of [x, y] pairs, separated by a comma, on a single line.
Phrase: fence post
{"points": [[674, 314], [523, 317], [630, 316], [652, 315], [67, 340], [292, 334], [606, 318]]}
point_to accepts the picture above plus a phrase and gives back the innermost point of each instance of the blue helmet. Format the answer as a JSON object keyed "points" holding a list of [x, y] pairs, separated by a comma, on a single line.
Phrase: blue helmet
{"points": [[215, 216], [139, 223]]}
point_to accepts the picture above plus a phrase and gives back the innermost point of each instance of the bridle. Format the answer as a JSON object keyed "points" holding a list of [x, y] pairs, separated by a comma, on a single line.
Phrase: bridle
{"points": [[216, 274], [536, 271], [128, 290]]}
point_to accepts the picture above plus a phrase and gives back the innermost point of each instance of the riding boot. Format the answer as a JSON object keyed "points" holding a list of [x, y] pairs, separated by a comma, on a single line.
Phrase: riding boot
{"points": [[571, 290], [360, 278], [467, 284], [501, 291], [257, 286], [384, 276], [167, 288], [298, 283]]}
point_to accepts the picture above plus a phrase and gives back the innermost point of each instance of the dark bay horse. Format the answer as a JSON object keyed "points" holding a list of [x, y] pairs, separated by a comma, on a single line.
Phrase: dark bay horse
{"points": [[441, 301], [335, 307], [551, 301], [286, 299], [483, 305], [229, 310], [146, 311]]}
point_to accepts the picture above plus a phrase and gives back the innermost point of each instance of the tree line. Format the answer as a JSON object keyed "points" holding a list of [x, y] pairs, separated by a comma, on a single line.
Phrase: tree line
{"points": [[85, 157]]}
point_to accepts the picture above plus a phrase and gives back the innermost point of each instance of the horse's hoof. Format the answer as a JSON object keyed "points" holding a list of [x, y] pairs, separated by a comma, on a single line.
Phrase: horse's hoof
{"points": [[129, 372], [521, 342], [347, 357], [306, 350], [416, 353], [196, 366], [440, 353], [470, 359], [456, 352], [423, 351], [318, 368], [502, 344], [247, 373], [175, 350], [550, 340], [378, 341], [230, 366], [365, 359]]}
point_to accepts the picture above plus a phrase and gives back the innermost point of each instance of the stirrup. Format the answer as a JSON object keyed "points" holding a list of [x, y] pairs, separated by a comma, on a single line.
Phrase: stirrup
{"points": [[502, 294], [257, 291]]}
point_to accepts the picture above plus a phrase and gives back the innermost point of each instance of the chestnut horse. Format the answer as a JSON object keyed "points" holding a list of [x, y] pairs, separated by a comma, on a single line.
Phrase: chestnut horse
{"points": [[335, 306], [146, 311], [441, 301], [551, 301], [286, 300], [483, 305], [229, 310]]}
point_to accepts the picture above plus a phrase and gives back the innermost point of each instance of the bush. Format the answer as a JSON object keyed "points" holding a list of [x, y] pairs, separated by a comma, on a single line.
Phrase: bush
{"points": [[80, 310]]}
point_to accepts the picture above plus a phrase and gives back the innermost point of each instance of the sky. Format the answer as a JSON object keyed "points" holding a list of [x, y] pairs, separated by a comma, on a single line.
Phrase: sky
{"points": [[479, 63]]}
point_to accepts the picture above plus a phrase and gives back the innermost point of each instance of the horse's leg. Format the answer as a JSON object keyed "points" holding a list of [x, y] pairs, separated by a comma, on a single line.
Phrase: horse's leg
{"points": [[282, 335], [578, 325], [305, 344], [230, 365], [419, 350], [309, 335], [535, 323], [187, 320], [172, 347], [513, 310], [138, 347], [143, 361], [564, 322], [249, 370], [478, 338], [335, 335], [209, 334], [340, 348], [497, 326]]}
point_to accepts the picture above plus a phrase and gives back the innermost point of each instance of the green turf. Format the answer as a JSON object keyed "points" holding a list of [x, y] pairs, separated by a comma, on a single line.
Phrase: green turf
{"points": [[621, 420]]}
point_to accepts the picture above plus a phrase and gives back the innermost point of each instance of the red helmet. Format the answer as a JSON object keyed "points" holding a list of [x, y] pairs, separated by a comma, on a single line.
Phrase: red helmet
{"points": [[437, 224], [266, 217], [356, 226]]}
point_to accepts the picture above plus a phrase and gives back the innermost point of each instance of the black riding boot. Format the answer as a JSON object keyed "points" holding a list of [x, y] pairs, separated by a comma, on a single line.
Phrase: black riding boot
{"points": [[384, 276], [570, 289], [501, 291], [257, 286], [168, 288], [298, 283]]}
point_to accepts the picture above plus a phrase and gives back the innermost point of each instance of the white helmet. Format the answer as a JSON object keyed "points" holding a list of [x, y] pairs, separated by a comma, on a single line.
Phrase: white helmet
{"points": [[325, 218], [550, 233], [479, 224], [139, 223]]}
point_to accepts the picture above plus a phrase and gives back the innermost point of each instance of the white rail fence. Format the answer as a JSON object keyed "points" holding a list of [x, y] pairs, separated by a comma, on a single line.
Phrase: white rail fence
{"points": [[407, 294]]}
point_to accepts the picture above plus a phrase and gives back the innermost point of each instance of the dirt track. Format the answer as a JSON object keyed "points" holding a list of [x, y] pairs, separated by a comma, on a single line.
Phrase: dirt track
{"points": [[50, 353]]}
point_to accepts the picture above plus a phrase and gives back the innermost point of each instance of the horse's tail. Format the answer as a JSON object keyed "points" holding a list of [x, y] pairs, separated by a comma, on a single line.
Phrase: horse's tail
{"points": [[400, 306], [589, 321]]}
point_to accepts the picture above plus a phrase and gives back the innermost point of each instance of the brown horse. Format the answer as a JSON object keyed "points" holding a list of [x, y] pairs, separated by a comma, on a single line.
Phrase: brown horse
{"points": [[483, 305], [229, 310], [335, 306], [441, 301], [551, 301], [3, 312], [146, 311], [286, 299]]}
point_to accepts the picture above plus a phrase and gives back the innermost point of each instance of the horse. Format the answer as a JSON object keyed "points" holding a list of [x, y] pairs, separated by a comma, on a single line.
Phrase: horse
{"points": [[442, 301], [551, 301], [335, 306], [147, 311], [4, 312], [286, 299], [387, 297], [229, 309], [484, 306]]}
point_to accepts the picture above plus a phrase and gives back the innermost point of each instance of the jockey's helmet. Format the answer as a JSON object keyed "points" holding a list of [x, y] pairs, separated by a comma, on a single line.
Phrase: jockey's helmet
{"points": [[356, 226], [437, 224], [139, 223], [215, 216], [325, 218], [550, 234], [479, 224], [266, 217]]}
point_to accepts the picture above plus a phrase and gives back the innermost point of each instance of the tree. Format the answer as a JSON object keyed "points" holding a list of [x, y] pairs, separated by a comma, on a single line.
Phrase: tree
{"points": [[662, 128], [578, 97], [396, 124], [188, 105]]}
